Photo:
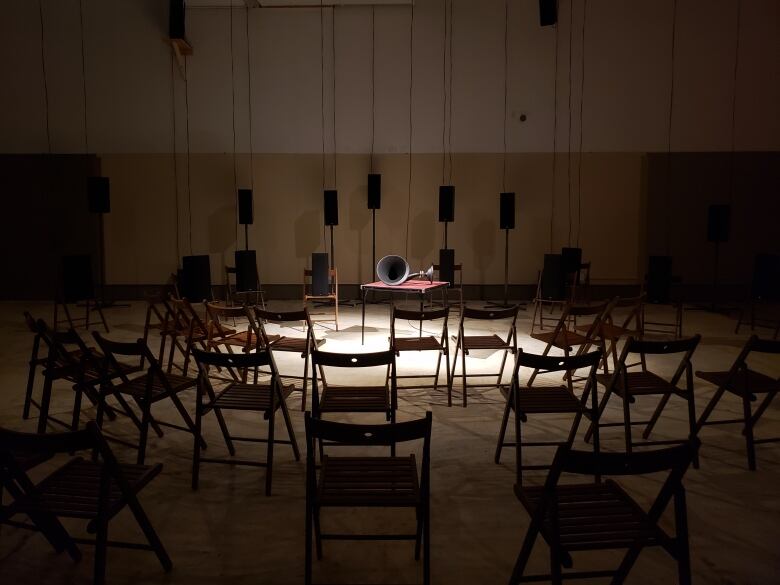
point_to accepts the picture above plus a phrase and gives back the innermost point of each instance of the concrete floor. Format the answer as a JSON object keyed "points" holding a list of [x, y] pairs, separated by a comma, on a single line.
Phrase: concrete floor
{"points": [[229, 532]]}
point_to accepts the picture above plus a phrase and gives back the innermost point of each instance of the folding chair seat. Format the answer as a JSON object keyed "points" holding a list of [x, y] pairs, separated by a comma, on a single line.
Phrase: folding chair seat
{"points": [[146, 389], [259, 318], [367, 481], [94, 490], [632, 380], [565, 335], [610, 332], [419, 342], [602, 515], [466, 343], [524, 400], [747, 384], [266, 398]]}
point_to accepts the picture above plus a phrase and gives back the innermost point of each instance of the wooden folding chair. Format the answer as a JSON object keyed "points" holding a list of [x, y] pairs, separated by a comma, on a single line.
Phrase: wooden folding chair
{"points": [[233, 296], [368, 481], [264, 398], [331, 297], [558, 399], [220, 337], [419, 342], [602, 515], [747, 384], [95, 490], [550, 289], [466, 343], [658, 287], [185, 329], [258, 318], [610, 332], [566, 337], [630, 381], [146, 389]]}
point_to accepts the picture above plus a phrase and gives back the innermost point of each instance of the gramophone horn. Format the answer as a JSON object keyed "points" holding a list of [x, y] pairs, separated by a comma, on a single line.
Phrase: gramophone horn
{"points": [[392, 270]]}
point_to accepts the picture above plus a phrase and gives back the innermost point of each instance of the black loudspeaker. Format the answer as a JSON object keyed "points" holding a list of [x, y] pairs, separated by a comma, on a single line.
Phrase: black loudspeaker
{"points": [[553, 278], [77, 284], [572, 259], [331, 207], [659, 279], [766, 277], [195, 282], [447, 265], [176, 19], [98, 195], [446, 203], [374, 191], [718, 218], [246, 215], [320, 274], [246, 270], [548, 12], [507, 211]]}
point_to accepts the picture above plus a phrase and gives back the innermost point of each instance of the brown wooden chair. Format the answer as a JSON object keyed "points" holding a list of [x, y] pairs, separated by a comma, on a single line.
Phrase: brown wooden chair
{"points": [[345, 399], [368, 481], [331, 297], [233, 296], [612, 329], [603, 516], [185, 329], [94, 490], [420, 342], [258, 318], [747, 384], [146, 388], [630, 381], [466, 343], [220, 337], [565, 336], [557, 399], [264, 398]]}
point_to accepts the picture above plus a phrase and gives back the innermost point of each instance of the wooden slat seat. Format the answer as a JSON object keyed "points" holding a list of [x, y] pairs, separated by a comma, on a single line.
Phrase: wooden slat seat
{"points": [[540, 400], [595, 516], [641, 382], [247, 397], [369, 481], [484, 342], [417, 344], [354, 399], [292, 344], [137, 386], [757, 382], [73, 491], [562, 339]]}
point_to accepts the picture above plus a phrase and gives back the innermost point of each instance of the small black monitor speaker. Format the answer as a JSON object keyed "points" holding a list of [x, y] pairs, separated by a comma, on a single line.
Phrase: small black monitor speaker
{"points": [[320, 274], [766, 277], [572, 259], [98, 195], [507, 211], [374, 191], [659, 279], [446, 203], [718, 219], [246, 270], [548, 12], [246, 215], [77, 284], [447, 265], [176, 19], [195, 282], [331, 207], [553, 278]]}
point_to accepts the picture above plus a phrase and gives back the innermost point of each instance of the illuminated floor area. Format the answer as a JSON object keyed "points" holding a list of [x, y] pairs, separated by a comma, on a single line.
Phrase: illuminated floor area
{"points": [[229, 532]]}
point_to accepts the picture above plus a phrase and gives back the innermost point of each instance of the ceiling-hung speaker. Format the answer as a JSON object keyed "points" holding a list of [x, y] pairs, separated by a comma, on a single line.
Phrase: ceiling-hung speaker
{"points": [[98, 195], [718, 217], [446, 203], [374, 191], [245, 207], [507, 211], [176, 19], [548, 12], [331, 207]]}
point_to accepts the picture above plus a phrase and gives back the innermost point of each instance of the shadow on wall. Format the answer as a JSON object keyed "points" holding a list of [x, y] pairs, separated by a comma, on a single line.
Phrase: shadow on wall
{"points": [[308, 233], [221, 237], [359, 220], [422, 238], [484, 244]]}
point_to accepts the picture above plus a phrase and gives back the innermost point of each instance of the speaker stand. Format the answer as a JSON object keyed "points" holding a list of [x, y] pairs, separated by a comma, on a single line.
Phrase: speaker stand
{"points": [[374, 300], [102, 302], [346, 302], [505, 304], [713, 306]]}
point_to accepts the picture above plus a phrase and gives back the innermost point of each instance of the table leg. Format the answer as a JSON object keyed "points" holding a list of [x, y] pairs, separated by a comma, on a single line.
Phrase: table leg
{"points": [[422, 304], [363, 320]]}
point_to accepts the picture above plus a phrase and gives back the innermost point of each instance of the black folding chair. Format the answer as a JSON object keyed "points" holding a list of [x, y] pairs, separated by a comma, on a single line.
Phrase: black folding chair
{"points": [[368, 481], [420, 342], [90, 489], [581, 517]]}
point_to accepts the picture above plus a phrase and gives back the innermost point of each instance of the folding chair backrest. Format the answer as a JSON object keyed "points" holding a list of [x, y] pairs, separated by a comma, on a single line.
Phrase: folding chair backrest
{"points": [[763, 345], [425, 315], [137, 348], [368, 435], [48, 443], [282, 316], [546, 363], [260, 358], [661, 347], [352, 360], [490, 314], [634, 306]]}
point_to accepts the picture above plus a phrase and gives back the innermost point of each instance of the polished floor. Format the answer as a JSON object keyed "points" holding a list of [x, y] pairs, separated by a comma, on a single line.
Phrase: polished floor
{"points": [[230, 532]]}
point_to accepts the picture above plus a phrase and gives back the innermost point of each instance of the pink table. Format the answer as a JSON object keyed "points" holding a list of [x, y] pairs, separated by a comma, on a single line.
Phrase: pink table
{"points": [[418, 287]]}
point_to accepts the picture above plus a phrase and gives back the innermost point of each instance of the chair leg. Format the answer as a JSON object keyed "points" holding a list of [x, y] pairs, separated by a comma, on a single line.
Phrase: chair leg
{"points": [[418, 532], [30, 385], [187, 419], [656, 415], [427, 540], [627, 423], [681, 538], [524, 554], [307, 538], [519, 448], [449, 379], [101, 547], [436, 375], [463, 374], [504, 422], [317, 533], [74, 424], [150, 534], [290, 431], [146, 417], [269, 456], [501, 369], [749, 440], [305, 381], [196, 446], [594, 423], [43, 415], [452, 374], [709, 408], [762, 407]]}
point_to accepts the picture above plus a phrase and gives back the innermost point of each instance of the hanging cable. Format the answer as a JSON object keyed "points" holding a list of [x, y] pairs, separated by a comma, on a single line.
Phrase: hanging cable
{"points": [[568, 141], [734, 104], [249, 100], [667, 198], [582, 123], [233, 113], [175, 157], [322, 105], [189, 166], [333, 93], [506, 88], [373, 109], [45, 82], [444, 95], [411, 87], [84, 75], [449, 127], [555, 141]]}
